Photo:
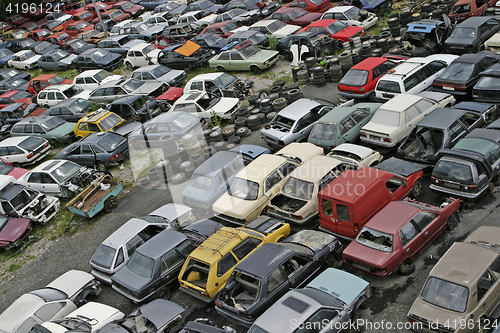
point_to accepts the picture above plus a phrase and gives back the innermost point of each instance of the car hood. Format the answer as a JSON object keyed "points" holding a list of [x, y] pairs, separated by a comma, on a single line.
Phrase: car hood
{"points": [[171, 211], [69, 59], [109, 58], [232, 206], [154, 54], [459, 41], [71, 282], [435, 313], [63, 129], [379, 128], [153, 30], [347, 32], [196, 193], [160, 312], [313, 239], [126, 128], [262, 55], [14, 229], [286, 30], [130, 280], [172, 75], [147, 88], [225, 104], [33, 59], [85, 94]]}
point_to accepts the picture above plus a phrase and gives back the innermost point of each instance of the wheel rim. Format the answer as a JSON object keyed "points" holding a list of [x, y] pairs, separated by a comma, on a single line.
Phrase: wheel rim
{"points": [[101, 167], [417, 188]]}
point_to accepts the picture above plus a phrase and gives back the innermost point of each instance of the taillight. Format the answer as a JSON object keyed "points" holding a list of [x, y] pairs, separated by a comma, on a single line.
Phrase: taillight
{"points": [[356, 227], [115, 156], [281, 143], [462, 88], [331, 147], [30, 155], [270, 208], [469, 188], [46, 145], [363, 134], [297, 217], [435, 180], [387, 140]]}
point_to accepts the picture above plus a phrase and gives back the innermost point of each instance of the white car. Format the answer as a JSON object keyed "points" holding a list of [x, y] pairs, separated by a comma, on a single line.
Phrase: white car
{"points": [[141, 55], [395, 119], [274, 28], [115, 251], [172, 77], [412, 76], [351, 16], [93, 78], [56, 177], [88, 318], [203, 105], [355, 154], [115, 30], [52, 95], [55, 301], [24, 59], [218, 84], [157, 20], [196, 17], [24, 149]]}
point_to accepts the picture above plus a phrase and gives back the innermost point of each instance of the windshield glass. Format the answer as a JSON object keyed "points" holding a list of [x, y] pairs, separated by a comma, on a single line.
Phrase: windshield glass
{"points": [[65, 171], [355, 78], [10, 73], [375, 239], [20, 94], [5, 168], [109, 122], [257, 38], [298, 188], [81, 25], [42, 46], [201, 182], [488, 82], [80, 104], [159, 71], [110, 142], [74, 324], [141, 265], [323, 131], [27, 55], [445, 294], [148, 49], [244, 189], [389, 86], [460, 9], [213, 39], [457, 71], [3, 221], [127, 5], [31, 142], [99, 54], [464, 32], [58, 55], [224, 80], [453, 171], [336, 27], [101, 75], [249, 50], [17, 83], [132, 85], [51, 123], [78, 44], [352, 13], [276, 25], [386, 117]]}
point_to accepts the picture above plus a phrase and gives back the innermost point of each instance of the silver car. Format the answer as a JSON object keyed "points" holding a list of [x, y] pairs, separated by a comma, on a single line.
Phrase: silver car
{"points": [[160, 73], [111, 91]]}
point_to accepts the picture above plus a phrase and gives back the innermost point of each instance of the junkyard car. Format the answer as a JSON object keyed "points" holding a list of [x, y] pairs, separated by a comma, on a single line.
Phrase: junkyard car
{"points": [[294, 15], [211, 179], [76, 46], [295, 122], [71, 109], [24, 59], [13, 231], [274, 28], [58, 60], [52, 95], [256, 37], [219, 85], [394, 120], [56, 300], [172, 77], [486, 88], [15, 96], [113, 90], [98, 59], [223, 29], [24, 149], [336, 29], [210, 41], [48, 127], [185, 56], [141, 55], [352, 16], [137, 107], [297, 201], [462, 286], [99, 150], [357, 155], [15, 112], [13, 84], [271, 270], [7, 168], [384, 247], [253, 187], [114, 251], [92, 79], [327, 302], [156, 263], [43, 81], [466, 170], [210, 265], [342, 124], [470, 36], [314, 6], [426, 37], [204, 105], [250, 152]]}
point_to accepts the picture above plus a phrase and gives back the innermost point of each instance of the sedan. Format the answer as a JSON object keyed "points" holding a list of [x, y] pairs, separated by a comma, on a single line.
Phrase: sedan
{"points": [[98, 59], [393, 238], [57, 61], [43, 47], [76, 46], [24, 59], [296, 16], [202, 104], [335, 28], [312, 6], [352, 16], [112, 91], [185, 56], [58, 299], [71, 109], [470, 35], [11, 73]]}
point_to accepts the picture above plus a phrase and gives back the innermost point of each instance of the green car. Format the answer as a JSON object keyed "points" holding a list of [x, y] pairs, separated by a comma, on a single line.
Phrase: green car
{"points": [[48, 127], [244, 56], [342, 124]]}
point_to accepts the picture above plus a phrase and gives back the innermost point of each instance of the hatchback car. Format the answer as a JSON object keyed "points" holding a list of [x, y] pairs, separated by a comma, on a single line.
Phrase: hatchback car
{"points": [[114, 251], [53, 95], [15, 96], [351, 15], [172, 77], [204, 105], [25, 59], [103, 121], [276, 28], [295, 16], [13, 231], [470, 35], [92, 79], [186, 56], [58, 60], [336, 29], [487, 87], [76, 46], [24, 150], [71, 109], [43, 81], [53, 129], [464, 9], [113, 90], [99, 150], [98, 59]]}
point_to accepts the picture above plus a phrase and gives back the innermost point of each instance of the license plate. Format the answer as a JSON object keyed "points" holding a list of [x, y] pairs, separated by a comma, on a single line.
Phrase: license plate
{"points": [[453, 186], [448, 88], [374, 137]]}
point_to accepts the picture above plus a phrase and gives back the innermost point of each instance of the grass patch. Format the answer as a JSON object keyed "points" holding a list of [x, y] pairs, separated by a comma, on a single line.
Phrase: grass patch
{"points": [[14, 267]]}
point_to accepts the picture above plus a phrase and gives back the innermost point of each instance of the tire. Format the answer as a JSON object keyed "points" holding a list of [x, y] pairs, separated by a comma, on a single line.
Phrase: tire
{"points": [[110, 204], [252, 99], [234, 139], [129, 65], [416, 189], [101, 166], [178, 178], [453, 221], [406, 268], [255, 69], [163, 293], [491, 187], [220, 68], [240, 122], [288, 56], [176, 329], [263, 93]]}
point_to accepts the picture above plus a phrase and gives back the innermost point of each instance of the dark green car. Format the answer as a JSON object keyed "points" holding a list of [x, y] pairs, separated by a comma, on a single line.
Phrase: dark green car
{"points": [[51, 128]]}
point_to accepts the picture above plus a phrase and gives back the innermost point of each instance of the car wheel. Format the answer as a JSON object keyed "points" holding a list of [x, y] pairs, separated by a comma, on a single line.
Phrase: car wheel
{"points": [[110, 204], [406, 268], [164, 293], [220, 68], [288, 56], [416, 189], [16, 165], [480, 48], [255, 69], [453, 221], [263, 93], [101, 166], [129, 65], [355, 315], [176, 329], [53, 142]]}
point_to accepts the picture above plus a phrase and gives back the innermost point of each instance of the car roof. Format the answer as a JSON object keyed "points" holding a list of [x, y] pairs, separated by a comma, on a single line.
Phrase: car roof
{"points": [[401, 102], [127, 99], [96, 137], [50, 165], [473, 106], [156, 246], [264, 259], [206, 76], [392, 217], [146, 68], [485, 133], [10, 107], [14, 140], [298, 109], [44, 77], [95, 116], [316, 168], [59, 87], [125, 232], [341, 112], [322, 23], [215, 163], [33, 120], [370, 63], [246, 33], [262, 165], [90, 72], [139, 46], [474, 21], [473, 58], [18, 311], [441, 118], [361, 151], [339, 9], [340, 284]]}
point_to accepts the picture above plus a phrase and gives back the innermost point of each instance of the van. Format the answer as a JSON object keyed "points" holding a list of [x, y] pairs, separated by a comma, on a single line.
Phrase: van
{"points": [[351, 199]]}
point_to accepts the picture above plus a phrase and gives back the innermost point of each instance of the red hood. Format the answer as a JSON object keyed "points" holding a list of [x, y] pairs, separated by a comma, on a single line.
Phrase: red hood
{"points": [[307, 19], [18, 172], [171, 95], [24, 100], [366, 255], [13, 230], [347, 33]]}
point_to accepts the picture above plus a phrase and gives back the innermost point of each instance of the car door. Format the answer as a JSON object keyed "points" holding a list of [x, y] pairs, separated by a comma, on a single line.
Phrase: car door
{"points": [[298, 269], [303, 127], [430, 226], [16, 155], [397, 187], [276, 284], [74, 153], [271, 186], [38, 181], [487, 295], [170, 266], [87, 157], [347, 130]]}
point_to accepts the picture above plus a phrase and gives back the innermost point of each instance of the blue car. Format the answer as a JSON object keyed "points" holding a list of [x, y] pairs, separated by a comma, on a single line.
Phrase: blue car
{"points": [[5, 55], [374, 6], [250, 152], [151, 4], [13, 84]]}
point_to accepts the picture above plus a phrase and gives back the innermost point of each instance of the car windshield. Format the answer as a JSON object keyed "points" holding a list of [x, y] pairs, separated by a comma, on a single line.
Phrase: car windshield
{"points": [[10, 73], [452, 170], [74, 324], [141, 265], [26, 55], [323, 131], [115, 14], [99, 54], [275, 26], [4, 53], [80, 104], [20, 95], [257, 38], [355, 78], [110, 142], [3, 221], [228, 27], [109, 122], [464, 32], [5, 169], [132, 85], [371, 1], [488, 82], [159, 71], [224, 80], [460, 9], [101, 75], [148, 49], [298, 188], [250, 50], [42, 46], [82, 25], [352, 13], [30, 143], [482, 146], [65, 171], [52, 123], [213, 39], [77, 44], [389, 86], [244, 189], [445, 294], [295, 14], [127, 5], [336, 27], [457, 71], [201, 182], [386, 117], [17, 83], [375, 239], [58, 55]]}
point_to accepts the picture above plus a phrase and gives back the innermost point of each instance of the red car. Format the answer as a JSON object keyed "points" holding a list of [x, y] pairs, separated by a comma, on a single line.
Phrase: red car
{"points": [[16, 20], [13, 231], [222, 29], [75, 28], [312, 6], [396, 235], [335, 28], [59, 37], [115, 15], [129, 7], [360, 81], [29, 26], [171, 95], [83, 16], [463, 9], [296, 16], [102, 7], [73, 8], [43, 81], [15, 96], [7, 168], [39, 35], [4, 26]]}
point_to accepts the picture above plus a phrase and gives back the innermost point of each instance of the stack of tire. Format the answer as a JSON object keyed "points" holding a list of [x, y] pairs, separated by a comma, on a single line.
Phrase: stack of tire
{"points": [[164, 171], [194, 153], [171, 154], [425, 10], [336, 73], [405, 16], [229, 134], [303, 76], [365, 51], [394, 25], [356, 41], [356, 57], [253, 122], [345, 60], [295, 70], [318, 76], [154, 179]]}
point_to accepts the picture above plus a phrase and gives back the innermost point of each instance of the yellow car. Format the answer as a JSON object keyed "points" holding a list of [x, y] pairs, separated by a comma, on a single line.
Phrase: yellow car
{"points": [[97, 121], [14, 34], [208, 267]]}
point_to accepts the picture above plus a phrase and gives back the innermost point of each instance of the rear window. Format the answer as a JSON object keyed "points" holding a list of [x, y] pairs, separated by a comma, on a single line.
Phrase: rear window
{"points": [[388, 86], [31, 143], [355, 78], [104, 256], [110, 142], [457, 71], [453, 171], [386, 117], [323, 131]]}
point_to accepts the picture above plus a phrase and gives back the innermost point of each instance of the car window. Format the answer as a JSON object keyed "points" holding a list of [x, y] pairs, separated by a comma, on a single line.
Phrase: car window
{"points": [[225, 174], [186, 247], [224, 56], [423, 219], [286, 168], [119, 258], [276, 278], [303, 122], [411, 81], [343, 213], [393, 184], [483, 285], [423, 105], [35, 178], [456, 131], [272, 180], [358, 115], [15, 151], [245, 247], [326, 207], [346, 125], [318, 321], [133, 244], [407, 233], [485, 63], [169, 260], [27, 325], [327, 179], [225, 264], [46, 312], [411, 113], [435, 66]]}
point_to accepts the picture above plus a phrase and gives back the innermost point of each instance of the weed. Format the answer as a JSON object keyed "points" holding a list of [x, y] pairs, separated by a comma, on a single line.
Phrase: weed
{"points": [[14, 267], [215, 120], [273, 43], [322, 63]]}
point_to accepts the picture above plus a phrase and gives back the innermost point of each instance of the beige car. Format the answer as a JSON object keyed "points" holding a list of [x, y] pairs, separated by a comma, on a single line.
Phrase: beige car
{"points": [[297, 202], [463, 289], [259, 181], [360, 156]]}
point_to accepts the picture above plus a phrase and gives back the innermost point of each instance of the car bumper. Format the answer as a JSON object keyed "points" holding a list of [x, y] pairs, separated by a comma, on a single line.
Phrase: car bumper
{"points": [[351, 95], [196, 204], [233, 317], [455, 93], [458, 194], [288, 218], [196, 295], [39, 156], [379, 143], [130, 297], [101, 276], [48, 212]]}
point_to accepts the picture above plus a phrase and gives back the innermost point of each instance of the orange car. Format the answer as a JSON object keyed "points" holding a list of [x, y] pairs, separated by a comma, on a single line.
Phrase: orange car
{"points": [[43, 81]]}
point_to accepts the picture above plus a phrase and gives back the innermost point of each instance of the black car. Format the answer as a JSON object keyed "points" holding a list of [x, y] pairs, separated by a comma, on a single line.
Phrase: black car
{"points": [[157, 263], [470, 35], [71, 109], [13, 84], [487, 88], [137, 107], [177, 33], [98, 59], [210, 41], [426, 36], [462, 74], [269, 8], [271, 270], [12, 73], [188, 60], [206, 6], [17, 45], [43, 47], [256, 37], [97, 150], [319, 44], [77, 46], [119, 43]]}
